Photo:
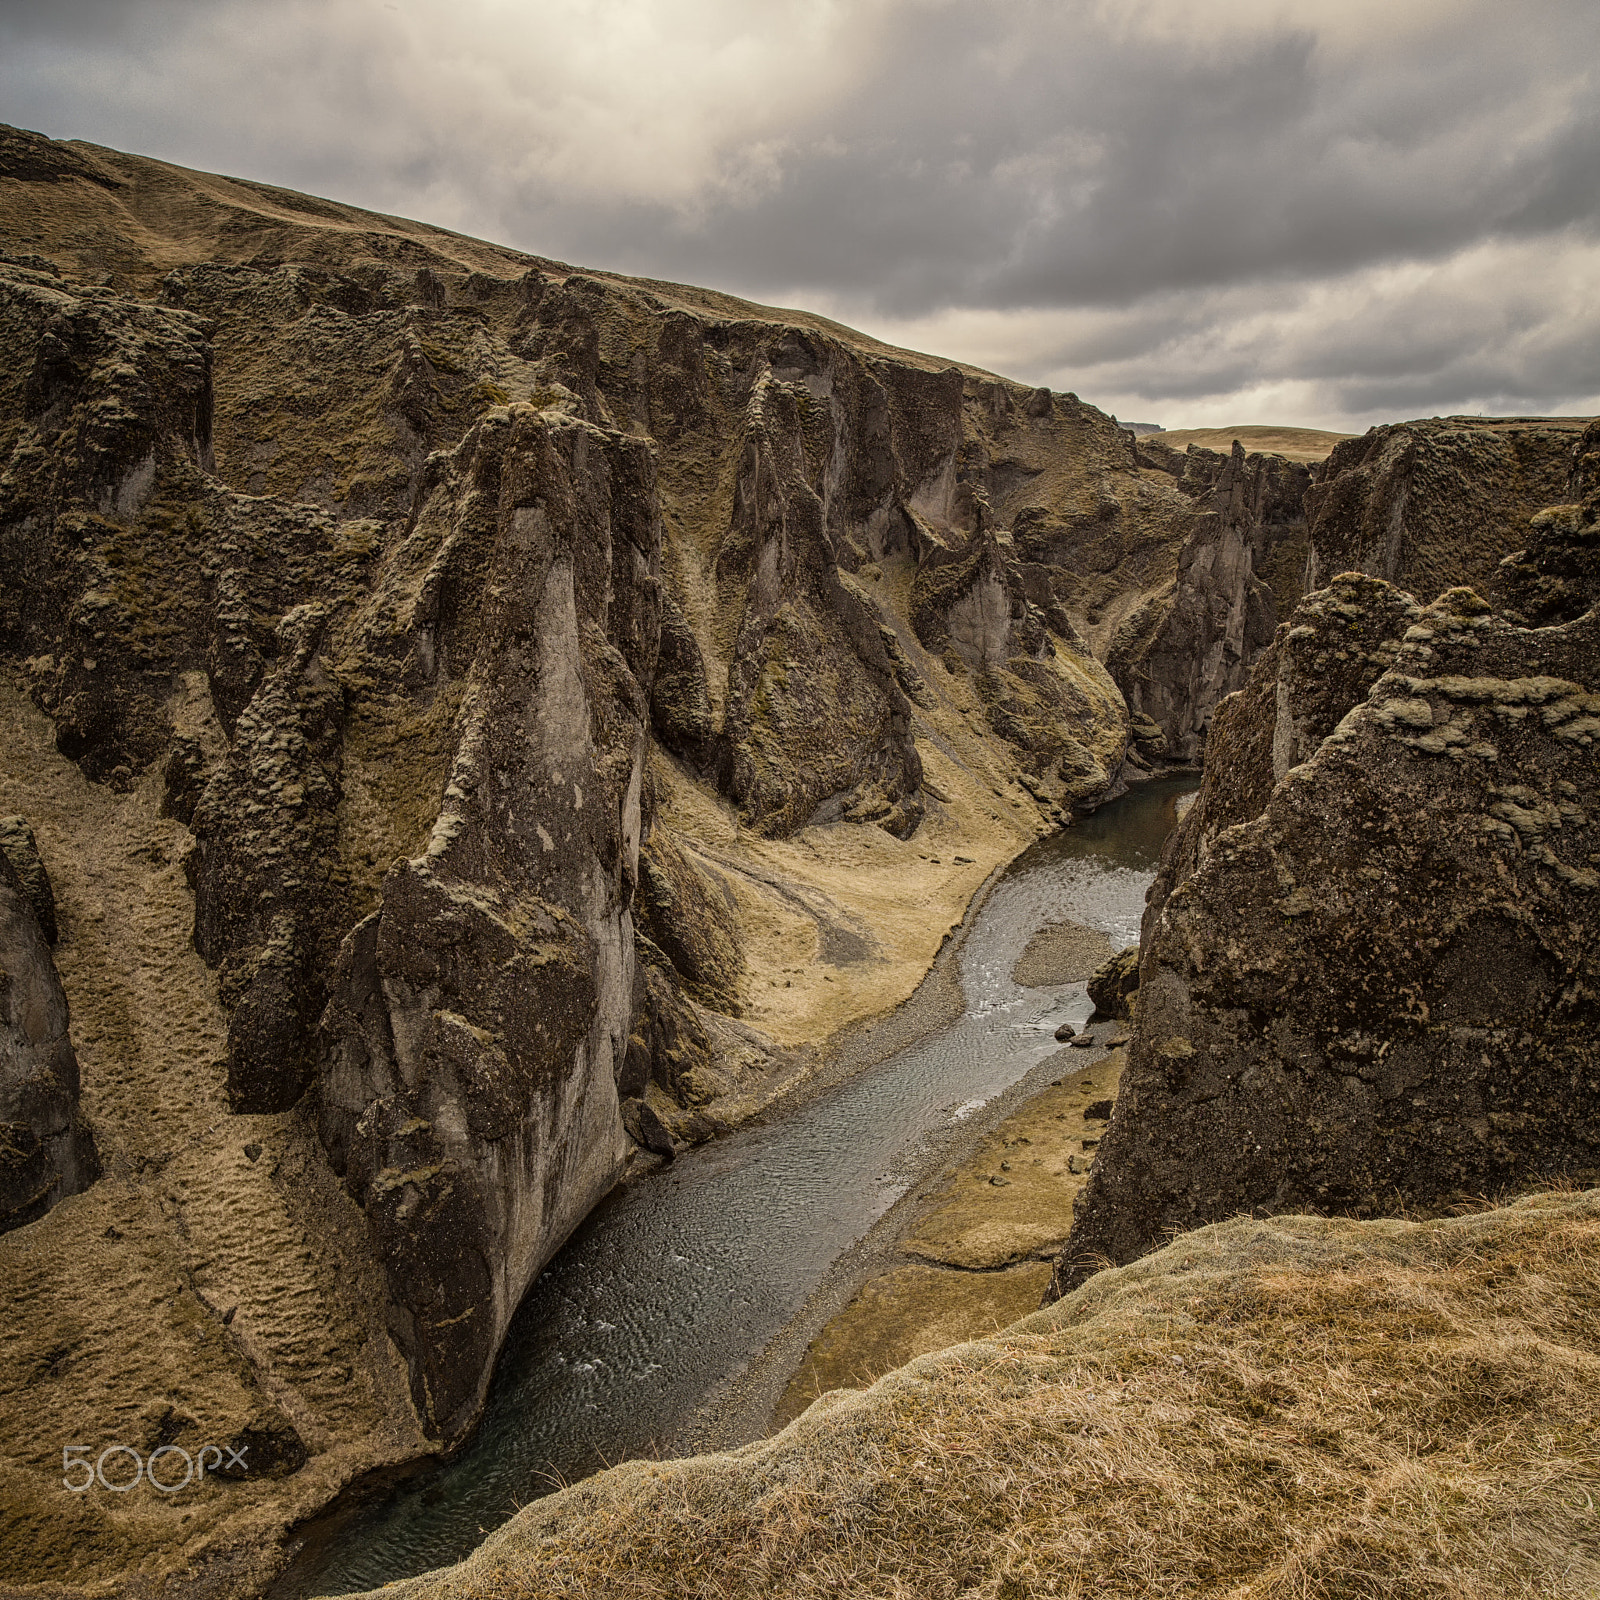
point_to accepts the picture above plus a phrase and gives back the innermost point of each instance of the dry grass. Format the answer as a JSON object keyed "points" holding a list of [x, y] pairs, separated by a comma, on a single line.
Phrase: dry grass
{"points": [[1298, 444], [1304, 1408]]}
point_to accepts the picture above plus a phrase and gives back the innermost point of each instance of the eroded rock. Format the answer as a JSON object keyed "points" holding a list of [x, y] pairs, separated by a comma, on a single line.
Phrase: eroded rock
{"points": [[1112, 985], [46, 1148], [1370, 974], [1240, 569], [1431, 504]]}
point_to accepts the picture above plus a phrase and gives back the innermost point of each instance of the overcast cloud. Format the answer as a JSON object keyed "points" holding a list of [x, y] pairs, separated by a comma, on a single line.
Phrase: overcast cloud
{"points": [[1201, 213]]}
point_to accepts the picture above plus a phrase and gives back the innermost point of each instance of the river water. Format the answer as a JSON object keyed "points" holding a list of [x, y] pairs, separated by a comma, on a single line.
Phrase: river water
{"points": [[675, 1283]]}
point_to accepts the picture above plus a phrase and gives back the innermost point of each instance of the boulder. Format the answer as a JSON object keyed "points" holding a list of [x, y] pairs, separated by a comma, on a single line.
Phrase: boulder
{"points": [[646, 1129], [1113, 985]]}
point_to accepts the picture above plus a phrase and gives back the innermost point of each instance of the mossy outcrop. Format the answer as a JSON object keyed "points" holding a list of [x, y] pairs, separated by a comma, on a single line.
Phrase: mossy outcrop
{"points": [[1369, 973], [1431, 504], [1556, 577]]}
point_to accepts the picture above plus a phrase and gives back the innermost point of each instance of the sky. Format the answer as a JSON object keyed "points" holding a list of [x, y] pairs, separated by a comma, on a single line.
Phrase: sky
{"points": [[1199, 214]]}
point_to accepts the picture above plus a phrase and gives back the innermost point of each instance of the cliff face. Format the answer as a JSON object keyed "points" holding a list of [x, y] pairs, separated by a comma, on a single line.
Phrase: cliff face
{"points": [[1239, 570], [1369, 969], [438, 648], [1426, 505], [478, 1020], [46, 1149], [1556, 577]]}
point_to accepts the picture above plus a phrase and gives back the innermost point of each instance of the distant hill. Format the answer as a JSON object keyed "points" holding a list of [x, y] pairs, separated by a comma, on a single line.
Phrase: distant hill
{"points": [[1298, 444]]}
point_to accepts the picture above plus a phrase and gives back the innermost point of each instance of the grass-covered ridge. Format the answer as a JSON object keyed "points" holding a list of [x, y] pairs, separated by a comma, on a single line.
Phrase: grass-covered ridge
{"points": [[1301, 1407]]}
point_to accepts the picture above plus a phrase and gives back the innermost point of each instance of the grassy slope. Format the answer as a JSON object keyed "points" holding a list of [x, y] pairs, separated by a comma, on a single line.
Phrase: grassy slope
{"points": [[1298, 444], [1302, 1407]]}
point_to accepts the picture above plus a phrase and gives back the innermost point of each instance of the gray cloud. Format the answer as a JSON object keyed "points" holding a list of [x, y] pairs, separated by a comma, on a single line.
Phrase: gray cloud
{"points": [[1246, 201]]}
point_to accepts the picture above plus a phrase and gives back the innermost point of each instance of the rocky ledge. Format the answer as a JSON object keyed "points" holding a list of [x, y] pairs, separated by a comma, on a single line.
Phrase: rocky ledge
{"points": [[1369, 977]]}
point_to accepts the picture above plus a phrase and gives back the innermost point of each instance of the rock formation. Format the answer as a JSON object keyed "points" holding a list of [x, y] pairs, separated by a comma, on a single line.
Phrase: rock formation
{"points": [[447, 642], [1179, 651], [1112, 985], [1431, 504], [1369, 969], [46, 1149], [1557, 576]]}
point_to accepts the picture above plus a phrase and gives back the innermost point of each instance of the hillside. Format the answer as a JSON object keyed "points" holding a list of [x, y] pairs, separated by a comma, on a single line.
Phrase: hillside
{"points": [[475, 726], [1307, 1408], [1295, 444]]}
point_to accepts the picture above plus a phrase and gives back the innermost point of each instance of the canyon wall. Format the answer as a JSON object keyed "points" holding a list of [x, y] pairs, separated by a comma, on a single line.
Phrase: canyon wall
{"points": [[46, 1149], [1369, 974], [1240, 570], [432, 673], [1426, 505]]}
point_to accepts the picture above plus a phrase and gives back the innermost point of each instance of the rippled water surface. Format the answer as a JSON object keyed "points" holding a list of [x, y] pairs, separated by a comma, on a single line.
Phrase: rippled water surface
{"points": [[674, 1284]]}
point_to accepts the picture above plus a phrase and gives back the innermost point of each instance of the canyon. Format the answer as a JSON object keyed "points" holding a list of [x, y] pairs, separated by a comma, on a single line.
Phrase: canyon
{"points": [[476, 727]]}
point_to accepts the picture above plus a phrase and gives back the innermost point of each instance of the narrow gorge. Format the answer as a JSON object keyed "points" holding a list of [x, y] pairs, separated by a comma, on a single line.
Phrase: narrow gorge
{"points": [[477, 728]]}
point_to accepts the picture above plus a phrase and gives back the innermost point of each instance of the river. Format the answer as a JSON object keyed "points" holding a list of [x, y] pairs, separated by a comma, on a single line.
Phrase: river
{"points": [[676, 1283]]}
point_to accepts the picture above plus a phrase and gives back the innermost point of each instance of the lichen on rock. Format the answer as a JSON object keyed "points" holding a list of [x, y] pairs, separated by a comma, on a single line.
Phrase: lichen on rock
{"points": [[1369, 977]]}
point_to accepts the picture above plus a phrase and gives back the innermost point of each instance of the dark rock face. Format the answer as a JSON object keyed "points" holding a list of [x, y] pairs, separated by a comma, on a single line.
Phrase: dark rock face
{"points": [[1113, 984], [21, 849], [1430, 504], [46, 1149], [430, 543], [686, 917], [1340, 641], [1370, 964], [1176, 655], [1557, 576], [479, 1019]]}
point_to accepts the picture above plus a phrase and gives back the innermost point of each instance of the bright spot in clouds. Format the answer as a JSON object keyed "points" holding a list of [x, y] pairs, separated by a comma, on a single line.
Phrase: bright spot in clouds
{"points": [[1193, 213]]}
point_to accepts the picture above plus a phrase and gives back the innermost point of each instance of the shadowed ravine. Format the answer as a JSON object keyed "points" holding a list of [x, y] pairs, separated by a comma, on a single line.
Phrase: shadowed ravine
{"points": [[676, 1283]]}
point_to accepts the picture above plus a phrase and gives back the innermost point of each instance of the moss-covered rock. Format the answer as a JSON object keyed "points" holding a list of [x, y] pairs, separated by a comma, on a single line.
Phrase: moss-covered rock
{"points": [[1369, 969]]}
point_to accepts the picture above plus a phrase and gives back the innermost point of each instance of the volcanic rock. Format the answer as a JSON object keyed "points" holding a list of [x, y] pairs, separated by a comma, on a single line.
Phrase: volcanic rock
{"points": [[1240, 569], [1113, 984], [1370, 964], [21, 849], [1431, 504], [428, 629], [47, 1151]]}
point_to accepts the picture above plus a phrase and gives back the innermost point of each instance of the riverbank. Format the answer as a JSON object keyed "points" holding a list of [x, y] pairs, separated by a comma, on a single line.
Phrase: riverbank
{"points": [[1299, 1406], [975, 1246], [679, 1311], [959, 1254]]}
